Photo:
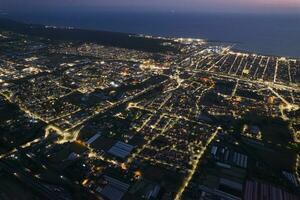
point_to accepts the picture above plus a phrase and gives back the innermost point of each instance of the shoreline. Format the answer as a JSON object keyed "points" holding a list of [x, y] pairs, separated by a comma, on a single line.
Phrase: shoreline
{"points": [[153, 36]]}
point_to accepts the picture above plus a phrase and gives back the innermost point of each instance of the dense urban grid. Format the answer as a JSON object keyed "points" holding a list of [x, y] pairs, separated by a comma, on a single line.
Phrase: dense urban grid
{"points": [[197, 120]]}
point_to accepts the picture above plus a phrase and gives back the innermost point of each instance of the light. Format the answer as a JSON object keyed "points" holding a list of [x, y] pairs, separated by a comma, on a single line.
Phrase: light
{"points": [[84, 182], [137, 174], [124, 166]]}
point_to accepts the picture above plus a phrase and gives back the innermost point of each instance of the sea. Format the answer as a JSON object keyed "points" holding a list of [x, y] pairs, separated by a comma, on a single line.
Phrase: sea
{"points": [[268, 34]]}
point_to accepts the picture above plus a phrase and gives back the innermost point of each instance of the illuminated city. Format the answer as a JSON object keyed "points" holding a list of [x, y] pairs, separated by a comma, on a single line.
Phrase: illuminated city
{"points": [[144, 117]]}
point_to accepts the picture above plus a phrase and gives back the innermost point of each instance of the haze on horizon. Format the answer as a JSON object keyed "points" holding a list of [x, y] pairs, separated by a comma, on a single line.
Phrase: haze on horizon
{"points": [[235, 6]]}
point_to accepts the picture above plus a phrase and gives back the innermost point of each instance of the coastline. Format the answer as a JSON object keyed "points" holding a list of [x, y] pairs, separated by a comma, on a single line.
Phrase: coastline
{"points": [[234, 44]]}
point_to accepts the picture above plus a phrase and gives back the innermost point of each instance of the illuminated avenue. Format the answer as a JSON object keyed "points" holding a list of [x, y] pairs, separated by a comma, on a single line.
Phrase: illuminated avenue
{"points": [[82, 120]]}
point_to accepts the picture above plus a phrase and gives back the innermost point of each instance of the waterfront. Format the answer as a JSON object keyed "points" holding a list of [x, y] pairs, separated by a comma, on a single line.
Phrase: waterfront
{"points": [[276, 34]]}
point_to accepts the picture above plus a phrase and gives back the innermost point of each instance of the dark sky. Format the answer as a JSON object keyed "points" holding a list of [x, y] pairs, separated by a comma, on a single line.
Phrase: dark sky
{"points": [[156, 5]]}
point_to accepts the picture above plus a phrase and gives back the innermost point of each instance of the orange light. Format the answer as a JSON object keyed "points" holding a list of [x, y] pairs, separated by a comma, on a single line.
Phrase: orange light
{"points": [[84, 182], [123, 166], [81, 143], [137, 174]]}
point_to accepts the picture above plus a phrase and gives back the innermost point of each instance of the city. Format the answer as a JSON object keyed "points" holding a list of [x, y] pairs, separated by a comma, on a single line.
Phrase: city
{"points": [[185, 119]]}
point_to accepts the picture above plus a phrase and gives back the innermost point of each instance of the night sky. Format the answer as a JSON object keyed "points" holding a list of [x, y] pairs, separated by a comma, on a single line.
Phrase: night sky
{"points": [[155, 5]]}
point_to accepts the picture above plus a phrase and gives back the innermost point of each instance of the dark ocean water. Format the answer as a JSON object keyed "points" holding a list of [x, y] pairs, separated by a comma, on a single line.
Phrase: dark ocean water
{"points": [[277, 34]]}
